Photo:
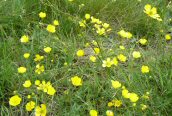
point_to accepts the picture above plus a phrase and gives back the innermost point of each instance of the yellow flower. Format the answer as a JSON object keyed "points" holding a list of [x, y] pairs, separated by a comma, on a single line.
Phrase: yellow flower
{"points": [[145, 69], [152, 12], [107, 63], [117, 103], [134, 104], [97, 50], [40, 111], [37, 82], [93, 113], [93, 58], [65, 64], [24, 39], [110, 104], [115, 61], [116, 84], [42, 15], [15, 100], [122, 47], [122, 58], [87, 16], [56, 22], [76, 81], [80, 53], [87, 45], [109, 113], [125, 34], [51, 90], [47, 49], [125, 93], [143, 41], [30, 106], [26, 55], [29, 96], [136, 54], [168, 37], [38, 57], [51, 28], [133, 97], [44, 86], [27, 84], [105, 25], [82, 23], [21, 70], [93, 20], [101, 31], [39, 69]]}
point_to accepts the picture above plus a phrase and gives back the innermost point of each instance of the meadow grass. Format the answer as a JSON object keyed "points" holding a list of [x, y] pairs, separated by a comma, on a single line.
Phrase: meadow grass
{"points": [[20, 17]]}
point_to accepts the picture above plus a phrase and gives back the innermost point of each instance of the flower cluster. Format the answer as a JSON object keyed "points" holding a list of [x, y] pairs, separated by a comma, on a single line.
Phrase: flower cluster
{"points": [[100, 27]]}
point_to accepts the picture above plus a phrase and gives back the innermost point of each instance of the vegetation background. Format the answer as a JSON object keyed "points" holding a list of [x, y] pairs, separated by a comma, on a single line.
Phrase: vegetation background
{"points": [[19, 17]]}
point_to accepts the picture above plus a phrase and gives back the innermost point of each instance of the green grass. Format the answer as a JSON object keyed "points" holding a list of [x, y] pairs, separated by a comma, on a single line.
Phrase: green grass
{"points": [[21, 17]]}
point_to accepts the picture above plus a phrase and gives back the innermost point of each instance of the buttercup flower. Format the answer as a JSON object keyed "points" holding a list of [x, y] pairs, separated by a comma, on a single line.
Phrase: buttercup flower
{"points": [[122, 58], [105, 25], [56, 22], [51, 28], [27, 84], [125, 34], [152, 12], [47, 49], [93, 113], [101, 31], [115, 61], [42, 15], [24, 39], [15, 100], [109, 113], [82, 23], [26, 55], [97, 50], [38, 57], [46, 87], [51, 90], [40, 111], [107, 63], [116, 84], [145, 69], [117, 103], [30, 106], [76, 81], [21, 70], [93, 58], [80, 53], [133, 97], [39, 69], [125, 93], [37, 82], [136, 54], [28, 96], [143, 41], [87, 16], [168, 37]]}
